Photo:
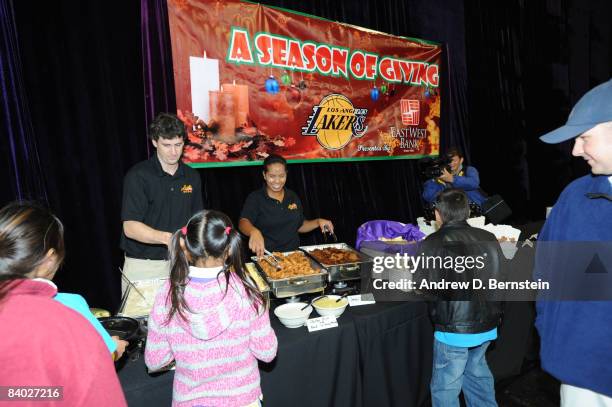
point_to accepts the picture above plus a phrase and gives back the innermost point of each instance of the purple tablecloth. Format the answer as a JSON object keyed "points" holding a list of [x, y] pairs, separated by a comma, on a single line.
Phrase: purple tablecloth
{"points": [[373, 230]]}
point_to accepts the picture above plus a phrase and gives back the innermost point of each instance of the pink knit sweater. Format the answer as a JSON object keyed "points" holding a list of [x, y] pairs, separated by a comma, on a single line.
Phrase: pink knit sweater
{"points": [[216, 352]]}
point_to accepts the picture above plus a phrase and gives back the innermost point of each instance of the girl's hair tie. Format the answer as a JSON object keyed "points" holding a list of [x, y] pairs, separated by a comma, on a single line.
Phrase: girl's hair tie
{"points": [[228, 229], [184, 230]]}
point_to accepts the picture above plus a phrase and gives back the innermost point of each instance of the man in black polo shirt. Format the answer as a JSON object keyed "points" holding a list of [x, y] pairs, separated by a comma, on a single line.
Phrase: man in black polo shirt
{"points": [[159, 196]]}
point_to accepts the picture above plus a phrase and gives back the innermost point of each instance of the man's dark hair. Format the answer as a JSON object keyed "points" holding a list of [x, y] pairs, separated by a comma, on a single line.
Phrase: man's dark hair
{"points": [[167, 126], [453, 205], [453, 151]]}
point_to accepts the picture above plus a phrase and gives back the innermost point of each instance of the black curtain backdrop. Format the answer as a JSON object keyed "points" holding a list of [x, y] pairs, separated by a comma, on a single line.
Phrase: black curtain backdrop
{"points": [[82, 72], [528, 63], [512, 71], [20, 165]]}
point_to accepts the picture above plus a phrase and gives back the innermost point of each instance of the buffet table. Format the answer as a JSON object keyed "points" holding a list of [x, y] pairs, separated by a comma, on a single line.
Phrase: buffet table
{"points": [[380, 354]]}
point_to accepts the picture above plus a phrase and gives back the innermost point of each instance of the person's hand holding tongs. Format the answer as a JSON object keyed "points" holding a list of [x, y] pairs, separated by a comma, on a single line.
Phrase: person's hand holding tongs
{"points": [[329, 229]]}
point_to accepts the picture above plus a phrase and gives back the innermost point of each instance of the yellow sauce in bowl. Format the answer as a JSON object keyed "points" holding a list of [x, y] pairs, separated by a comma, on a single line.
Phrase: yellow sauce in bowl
{"points": [[330, 302]]}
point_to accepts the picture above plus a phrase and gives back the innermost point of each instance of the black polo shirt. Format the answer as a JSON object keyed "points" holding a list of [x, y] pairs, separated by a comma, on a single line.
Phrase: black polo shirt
{"points": [[278, 221], [162, 201]]}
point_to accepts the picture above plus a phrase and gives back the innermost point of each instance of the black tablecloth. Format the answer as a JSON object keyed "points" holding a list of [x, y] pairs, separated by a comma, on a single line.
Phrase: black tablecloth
{"points": [[379, 355], [516, 335]]}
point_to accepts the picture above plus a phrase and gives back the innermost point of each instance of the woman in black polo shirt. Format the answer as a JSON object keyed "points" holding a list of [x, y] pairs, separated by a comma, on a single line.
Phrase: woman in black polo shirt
{"points": [[273, 216]]}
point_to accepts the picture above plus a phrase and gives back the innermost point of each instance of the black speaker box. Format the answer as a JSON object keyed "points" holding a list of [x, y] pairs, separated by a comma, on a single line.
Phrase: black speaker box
{"points": [[496, 210]]}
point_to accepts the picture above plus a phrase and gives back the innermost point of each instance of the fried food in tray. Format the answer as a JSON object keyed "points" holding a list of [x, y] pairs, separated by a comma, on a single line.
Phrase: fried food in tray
{"points": [[332, 255], [291, 265]]}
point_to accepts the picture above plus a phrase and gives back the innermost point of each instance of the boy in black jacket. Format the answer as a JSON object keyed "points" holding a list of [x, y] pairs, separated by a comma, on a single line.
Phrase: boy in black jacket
{"points": [[459, 261]]}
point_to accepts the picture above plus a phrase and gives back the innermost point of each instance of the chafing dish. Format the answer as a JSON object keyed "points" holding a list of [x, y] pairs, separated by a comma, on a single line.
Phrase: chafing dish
{"points": [[257, 279], [345, 271], [297, 285]]}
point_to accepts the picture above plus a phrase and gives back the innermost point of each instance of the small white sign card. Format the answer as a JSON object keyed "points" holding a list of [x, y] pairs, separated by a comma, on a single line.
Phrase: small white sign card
{"points": [[361, 299], [317, 324]]}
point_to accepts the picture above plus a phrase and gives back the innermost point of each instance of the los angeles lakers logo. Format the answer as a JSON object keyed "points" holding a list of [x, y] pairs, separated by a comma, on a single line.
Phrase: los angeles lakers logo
{"points": [[335, 122]]}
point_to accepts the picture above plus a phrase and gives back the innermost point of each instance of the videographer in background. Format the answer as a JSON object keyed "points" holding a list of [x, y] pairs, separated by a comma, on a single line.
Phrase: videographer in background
{"points": [[460, 177]]}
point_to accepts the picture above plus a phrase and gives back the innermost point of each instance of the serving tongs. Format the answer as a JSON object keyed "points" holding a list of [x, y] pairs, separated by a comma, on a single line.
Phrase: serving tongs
{"points": [[124, 297], [332, 235], [272, 259], [133, 286]]}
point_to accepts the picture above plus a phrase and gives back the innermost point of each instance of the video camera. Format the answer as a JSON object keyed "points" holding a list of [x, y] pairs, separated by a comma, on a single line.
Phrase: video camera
{"points": [[432, 167]]}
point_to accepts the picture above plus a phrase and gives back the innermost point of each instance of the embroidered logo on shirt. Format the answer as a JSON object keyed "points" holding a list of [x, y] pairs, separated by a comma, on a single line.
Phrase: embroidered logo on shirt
{"points": [[292, 206], [187, 189]]}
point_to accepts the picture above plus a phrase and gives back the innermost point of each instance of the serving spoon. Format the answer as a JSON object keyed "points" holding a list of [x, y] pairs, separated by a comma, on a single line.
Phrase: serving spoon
{"points": [[311, 301]]}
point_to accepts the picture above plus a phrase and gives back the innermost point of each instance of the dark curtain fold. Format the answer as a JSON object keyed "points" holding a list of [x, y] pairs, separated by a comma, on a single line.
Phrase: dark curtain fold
{"points": [[158, 77], [21, 169]]}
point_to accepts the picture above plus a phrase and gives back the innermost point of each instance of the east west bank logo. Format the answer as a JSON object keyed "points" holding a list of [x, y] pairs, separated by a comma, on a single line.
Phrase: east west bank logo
{"points": [[410, 111], [411, 137], [335, 122]]}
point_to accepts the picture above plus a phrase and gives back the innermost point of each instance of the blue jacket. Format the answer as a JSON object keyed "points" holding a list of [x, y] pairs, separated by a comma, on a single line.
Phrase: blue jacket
{"points": [[576, 336], [78, 303], [469, 182]]}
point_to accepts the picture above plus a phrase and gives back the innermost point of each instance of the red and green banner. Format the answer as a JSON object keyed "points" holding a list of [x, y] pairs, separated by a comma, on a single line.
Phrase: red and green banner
{"points": [[253, 80]]}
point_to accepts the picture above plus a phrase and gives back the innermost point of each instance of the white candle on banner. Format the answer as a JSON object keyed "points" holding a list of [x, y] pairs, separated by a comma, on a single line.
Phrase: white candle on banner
{"points": [[204, 78]]}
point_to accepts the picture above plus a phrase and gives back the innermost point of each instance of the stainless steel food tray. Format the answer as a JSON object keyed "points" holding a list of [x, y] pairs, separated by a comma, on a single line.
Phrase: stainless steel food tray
{"points": [[255, 276], [139, 297], [292, 286], [345, 271]]}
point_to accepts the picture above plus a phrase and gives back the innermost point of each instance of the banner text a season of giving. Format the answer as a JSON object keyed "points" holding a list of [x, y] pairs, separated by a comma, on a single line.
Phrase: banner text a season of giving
{"points": [[268, 49]]}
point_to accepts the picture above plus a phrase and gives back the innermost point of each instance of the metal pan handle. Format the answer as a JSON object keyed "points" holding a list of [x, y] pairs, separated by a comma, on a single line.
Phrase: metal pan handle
{"points": [[298, 282], [344, 271]]}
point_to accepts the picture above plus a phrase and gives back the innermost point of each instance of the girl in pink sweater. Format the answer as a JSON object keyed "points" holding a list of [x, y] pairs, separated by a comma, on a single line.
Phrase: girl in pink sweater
{"points": [[210, 318]]}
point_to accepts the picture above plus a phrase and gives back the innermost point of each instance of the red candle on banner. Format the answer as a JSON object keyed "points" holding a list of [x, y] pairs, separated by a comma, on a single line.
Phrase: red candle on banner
{"points": [[227, 117], [241, 102], [213, 102]]}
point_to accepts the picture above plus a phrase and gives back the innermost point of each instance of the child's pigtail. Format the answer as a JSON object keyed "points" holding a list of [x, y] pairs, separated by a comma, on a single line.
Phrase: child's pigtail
{"points": [[179, 272]]}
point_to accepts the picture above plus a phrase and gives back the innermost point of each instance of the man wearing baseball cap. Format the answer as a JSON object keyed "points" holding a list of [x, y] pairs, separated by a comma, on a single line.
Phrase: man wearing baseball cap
{"points": [[576, 335]]}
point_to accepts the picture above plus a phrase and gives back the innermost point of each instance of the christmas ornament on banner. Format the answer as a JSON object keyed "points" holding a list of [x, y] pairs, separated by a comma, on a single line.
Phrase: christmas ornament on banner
{"points": [[272, 85], [374, 93], [286, 79], [293, 95]]}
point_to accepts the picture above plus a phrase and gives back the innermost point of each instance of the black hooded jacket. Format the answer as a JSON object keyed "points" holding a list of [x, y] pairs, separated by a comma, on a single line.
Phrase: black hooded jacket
{"points": [[469, 309]]}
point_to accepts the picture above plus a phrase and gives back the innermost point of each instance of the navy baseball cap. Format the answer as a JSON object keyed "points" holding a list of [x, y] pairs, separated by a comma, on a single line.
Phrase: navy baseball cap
{"points": [[593, 108]]}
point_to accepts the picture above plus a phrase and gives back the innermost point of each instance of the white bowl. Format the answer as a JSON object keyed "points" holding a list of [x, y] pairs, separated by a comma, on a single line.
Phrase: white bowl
{"points": [[291, 315], [332, 307]]}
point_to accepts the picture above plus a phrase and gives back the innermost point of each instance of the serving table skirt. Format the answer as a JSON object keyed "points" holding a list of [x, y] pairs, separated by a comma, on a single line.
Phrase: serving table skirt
{"points": [[379, 355]]}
